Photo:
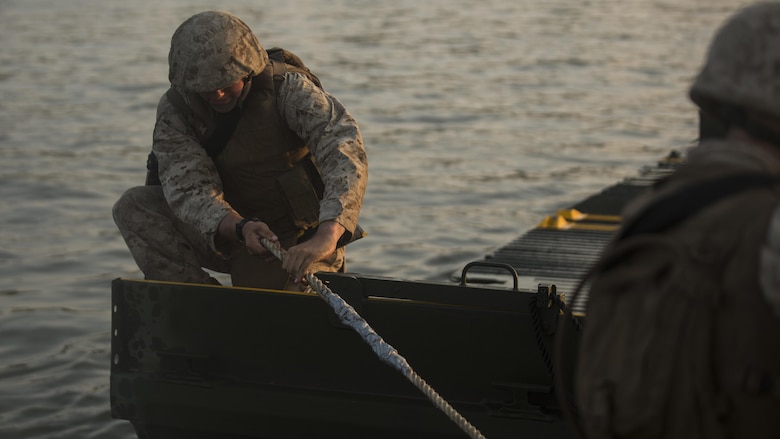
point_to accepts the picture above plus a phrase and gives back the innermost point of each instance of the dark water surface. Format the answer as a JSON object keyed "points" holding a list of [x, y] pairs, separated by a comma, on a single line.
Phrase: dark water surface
{"points": [[480, 117]]}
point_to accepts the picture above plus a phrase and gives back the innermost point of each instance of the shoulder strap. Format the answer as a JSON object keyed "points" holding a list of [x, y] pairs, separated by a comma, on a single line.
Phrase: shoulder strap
{"points": [[278, 70], [683, 203], [283, 61]]}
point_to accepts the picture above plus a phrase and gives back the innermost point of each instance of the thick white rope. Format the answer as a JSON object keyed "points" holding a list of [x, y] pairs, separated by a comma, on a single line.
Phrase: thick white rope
{"points": [[388, 354]]}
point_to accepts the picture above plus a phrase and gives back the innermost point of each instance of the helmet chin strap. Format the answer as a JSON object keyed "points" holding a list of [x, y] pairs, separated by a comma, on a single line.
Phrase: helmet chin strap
{"points": [[244, 91]]}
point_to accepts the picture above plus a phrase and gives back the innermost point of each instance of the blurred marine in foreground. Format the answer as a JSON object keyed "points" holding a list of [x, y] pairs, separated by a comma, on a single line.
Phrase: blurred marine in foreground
{"points": [[682, 329]]}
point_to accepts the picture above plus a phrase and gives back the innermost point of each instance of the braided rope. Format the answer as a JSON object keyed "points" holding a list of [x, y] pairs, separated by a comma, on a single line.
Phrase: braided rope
{"points": [[388, 354], [539, 337]]}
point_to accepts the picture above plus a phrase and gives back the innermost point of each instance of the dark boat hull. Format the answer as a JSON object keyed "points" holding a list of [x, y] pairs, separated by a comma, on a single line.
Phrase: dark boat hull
{"points": [[229, 362]]}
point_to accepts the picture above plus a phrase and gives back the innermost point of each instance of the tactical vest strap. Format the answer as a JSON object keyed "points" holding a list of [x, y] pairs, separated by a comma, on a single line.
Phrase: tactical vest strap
{"points": [[682, 204]]}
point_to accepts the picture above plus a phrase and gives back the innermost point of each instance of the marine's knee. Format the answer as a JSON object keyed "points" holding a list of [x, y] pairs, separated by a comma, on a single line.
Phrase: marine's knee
{"points": [[137, 199]]}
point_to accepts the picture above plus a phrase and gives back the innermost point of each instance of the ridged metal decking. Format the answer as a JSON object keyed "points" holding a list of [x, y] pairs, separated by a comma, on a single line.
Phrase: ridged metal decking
{"points": [[563, 246]]}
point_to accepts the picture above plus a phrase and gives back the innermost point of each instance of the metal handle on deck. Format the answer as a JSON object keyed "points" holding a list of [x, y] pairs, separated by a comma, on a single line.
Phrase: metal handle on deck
{"points": [[507, 267]]}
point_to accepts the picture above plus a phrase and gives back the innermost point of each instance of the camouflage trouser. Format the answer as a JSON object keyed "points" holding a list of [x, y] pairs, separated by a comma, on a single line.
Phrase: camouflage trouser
{"points": [[166, 248]]}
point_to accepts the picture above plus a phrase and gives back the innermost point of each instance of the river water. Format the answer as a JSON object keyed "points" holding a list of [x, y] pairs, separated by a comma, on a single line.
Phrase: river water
{"points": [[480, 117]]}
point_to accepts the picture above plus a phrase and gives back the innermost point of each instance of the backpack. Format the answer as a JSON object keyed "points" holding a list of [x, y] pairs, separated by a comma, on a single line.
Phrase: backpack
{"points": [[646, 362], [281, 61]]}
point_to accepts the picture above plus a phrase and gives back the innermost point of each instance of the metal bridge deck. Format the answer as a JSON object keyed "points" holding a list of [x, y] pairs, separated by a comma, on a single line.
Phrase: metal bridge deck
{"points": [[563, 246]]}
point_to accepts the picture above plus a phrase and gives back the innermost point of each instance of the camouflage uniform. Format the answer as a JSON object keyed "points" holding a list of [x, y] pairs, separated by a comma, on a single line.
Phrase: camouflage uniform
{"points": [[742, 73], [172, 230]]}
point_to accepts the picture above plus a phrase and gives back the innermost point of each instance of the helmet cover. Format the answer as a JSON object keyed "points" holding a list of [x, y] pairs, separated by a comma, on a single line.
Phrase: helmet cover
{"points": [[742, 67], [213, 50]]}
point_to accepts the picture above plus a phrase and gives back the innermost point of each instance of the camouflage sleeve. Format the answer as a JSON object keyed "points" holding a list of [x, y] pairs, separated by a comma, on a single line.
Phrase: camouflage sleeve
{"points": [[189, 178], [335, 142]]}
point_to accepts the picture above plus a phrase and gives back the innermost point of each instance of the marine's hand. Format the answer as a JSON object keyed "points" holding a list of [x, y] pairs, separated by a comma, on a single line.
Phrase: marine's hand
{"points": [[253, 232], [300, 258]]}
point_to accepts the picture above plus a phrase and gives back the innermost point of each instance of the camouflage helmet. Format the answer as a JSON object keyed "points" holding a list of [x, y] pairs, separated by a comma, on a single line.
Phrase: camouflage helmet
{"points": [[742, 68], [212, 50]]}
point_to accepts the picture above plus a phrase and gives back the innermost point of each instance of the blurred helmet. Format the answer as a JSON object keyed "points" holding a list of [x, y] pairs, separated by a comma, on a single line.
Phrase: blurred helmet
{"points": [[212, 50], [742, 68]]}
